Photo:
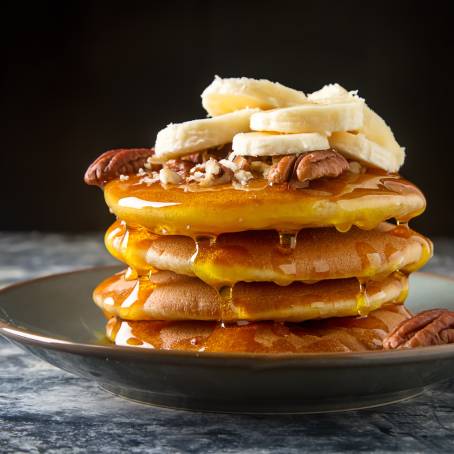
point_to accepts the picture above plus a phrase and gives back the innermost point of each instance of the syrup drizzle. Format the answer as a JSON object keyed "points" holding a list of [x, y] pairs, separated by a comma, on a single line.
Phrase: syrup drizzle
{"points": [[227, 302], [131, 274], [334, 201], [287, 240], [362, 299], [283, 256]]}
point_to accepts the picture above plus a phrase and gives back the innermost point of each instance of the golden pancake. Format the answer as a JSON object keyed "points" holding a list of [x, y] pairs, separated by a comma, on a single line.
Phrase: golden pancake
{"points": [[251, 256], [364, 200], [169, 296], [348, 334]]}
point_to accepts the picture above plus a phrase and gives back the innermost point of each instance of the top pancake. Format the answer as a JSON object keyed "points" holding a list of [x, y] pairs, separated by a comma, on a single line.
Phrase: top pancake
{"points": [[364, 200], [258, 255]]}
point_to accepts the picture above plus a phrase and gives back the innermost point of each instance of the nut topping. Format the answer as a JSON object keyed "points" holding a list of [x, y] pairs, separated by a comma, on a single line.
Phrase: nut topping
{"points": [[282, 171], [432, 327], [113, 163], [319, 164], [307, 167], [242, 163]]}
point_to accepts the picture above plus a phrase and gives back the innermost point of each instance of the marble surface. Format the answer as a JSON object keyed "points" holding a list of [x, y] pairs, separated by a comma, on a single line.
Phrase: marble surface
{"points": [[43, 409]]}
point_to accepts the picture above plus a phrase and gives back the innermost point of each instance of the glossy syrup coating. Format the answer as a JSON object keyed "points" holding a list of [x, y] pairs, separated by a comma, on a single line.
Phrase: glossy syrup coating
{"points": [[309, 255], [346, 334], [364, 200], [168, 296]]}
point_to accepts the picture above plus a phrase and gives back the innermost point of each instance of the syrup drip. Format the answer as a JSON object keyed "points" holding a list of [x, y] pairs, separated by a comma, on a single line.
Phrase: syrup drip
{"points": [[362, 299], [227, 259], [226, 294], [404, 282], [262, 337], [283, 256], [287, 240], [131, 274]]}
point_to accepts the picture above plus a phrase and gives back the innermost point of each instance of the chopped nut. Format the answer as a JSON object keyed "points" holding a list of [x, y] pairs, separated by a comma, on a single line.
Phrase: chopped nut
{"points": [[212, 168], [261, 168], [242, 163], [149, 180], [150, 165], [228, 164], [168, 176], [282, 170], [355, 167], [243, 176], [432, 327], [180, 166]]}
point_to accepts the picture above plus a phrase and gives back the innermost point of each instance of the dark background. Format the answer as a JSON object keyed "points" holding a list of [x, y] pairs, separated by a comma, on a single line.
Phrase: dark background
{"points": [[79, 78]]}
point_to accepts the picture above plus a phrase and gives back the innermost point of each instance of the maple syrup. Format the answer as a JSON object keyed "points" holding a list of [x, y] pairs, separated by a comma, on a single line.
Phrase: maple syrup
{"points": [[363, 200]]}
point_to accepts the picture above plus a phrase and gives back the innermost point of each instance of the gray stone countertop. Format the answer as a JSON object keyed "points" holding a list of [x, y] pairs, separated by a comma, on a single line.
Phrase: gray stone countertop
{"points": [[43, 409]]}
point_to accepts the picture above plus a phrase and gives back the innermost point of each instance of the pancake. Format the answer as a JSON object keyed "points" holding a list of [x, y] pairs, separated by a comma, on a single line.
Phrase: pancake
{"points": [[169, 296], [364, 200], [259, 256], [348, 334]]}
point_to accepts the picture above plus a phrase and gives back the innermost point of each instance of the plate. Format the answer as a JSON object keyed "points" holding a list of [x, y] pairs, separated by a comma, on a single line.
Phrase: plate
{"points": [[55, 319]]}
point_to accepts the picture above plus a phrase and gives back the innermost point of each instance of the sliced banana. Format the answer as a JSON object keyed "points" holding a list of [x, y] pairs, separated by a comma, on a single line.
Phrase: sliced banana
{"points": [[324, 118], [374, 127], [268, 144], [227, 95], [185, 138], [360, 148]]}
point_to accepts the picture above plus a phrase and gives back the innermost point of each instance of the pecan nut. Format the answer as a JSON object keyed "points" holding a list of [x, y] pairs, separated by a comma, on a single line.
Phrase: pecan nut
{"points": [[319, 164], [282, 171], [299, 170], [113, 163], [432, 327]]}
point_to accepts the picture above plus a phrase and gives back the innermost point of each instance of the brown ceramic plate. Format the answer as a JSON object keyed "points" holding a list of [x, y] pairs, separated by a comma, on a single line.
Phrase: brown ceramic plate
{"points": [[55, 319]]}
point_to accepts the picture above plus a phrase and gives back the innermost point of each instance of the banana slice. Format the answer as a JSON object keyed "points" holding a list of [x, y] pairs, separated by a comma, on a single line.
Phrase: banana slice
{"points": [[268, 144], [185, 138], [360, 148], [227, 95], [324, 118], [374, 127]]}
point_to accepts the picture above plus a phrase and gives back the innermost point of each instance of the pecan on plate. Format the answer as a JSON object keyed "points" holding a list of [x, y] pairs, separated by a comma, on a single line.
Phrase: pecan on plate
{"points": [[432, 327], [113, 163], [307, 167]]}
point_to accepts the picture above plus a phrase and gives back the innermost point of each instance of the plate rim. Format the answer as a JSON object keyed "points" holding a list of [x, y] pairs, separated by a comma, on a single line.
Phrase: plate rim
{"points": [[22, 336]]}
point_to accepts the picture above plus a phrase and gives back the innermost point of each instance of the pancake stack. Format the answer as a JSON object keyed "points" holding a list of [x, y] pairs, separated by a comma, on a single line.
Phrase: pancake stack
{"points": [[279, 224]]}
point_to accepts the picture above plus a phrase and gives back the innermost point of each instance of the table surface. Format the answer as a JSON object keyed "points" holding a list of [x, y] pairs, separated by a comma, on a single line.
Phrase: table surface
{"points": [[43, 409]]}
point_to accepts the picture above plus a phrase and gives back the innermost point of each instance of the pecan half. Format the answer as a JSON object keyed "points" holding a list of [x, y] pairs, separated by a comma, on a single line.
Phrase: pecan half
{"points": [[282, 171], [319, 164], [432, 327], [113, 163], [299, 170]]}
